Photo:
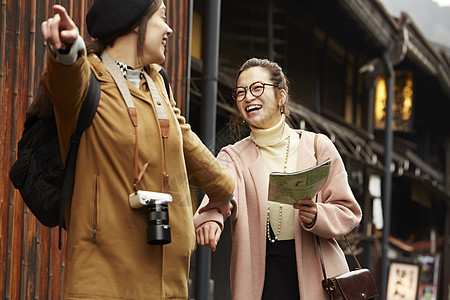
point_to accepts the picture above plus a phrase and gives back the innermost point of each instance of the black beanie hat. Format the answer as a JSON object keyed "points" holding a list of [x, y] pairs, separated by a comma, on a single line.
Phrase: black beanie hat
{"points": [[108, 16]]}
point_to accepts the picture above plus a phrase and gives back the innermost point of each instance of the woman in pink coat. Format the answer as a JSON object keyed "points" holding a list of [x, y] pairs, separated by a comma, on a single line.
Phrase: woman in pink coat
{"points": [[274, 255]]}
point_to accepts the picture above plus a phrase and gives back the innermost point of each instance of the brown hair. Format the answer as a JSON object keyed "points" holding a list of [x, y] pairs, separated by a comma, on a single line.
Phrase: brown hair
{"points": [[277, 77], [276, 73], [99, 45], [41, 105]]}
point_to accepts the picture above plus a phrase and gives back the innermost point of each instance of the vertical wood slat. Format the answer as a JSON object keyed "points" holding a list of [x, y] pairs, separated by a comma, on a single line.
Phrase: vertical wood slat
{"points": [[176, 60], [44, 262], [32, 70], [18, 104], [15, 216], [4, 190], [45, 247]]}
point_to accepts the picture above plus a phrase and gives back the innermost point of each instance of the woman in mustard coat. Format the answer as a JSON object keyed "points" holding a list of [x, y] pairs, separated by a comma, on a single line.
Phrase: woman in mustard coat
{"points": [[137, 141]]}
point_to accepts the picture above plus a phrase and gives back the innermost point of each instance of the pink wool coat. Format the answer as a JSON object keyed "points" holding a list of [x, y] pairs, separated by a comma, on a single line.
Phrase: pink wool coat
{"points": [[338, 213]]}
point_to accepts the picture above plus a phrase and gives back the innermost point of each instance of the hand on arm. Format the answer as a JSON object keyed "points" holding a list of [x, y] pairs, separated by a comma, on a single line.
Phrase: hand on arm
{"points": [[208, 234], [59, 31], [307, 210], [225, 209]]}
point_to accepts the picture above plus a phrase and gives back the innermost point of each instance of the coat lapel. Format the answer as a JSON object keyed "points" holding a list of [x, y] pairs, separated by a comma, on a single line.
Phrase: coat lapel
{"points": [[260, 182], [138, 94]]}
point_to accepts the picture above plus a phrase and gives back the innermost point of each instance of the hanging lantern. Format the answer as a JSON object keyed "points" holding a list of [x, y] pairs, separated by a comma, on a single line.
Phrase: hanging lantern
{"points": [[402, 104]]}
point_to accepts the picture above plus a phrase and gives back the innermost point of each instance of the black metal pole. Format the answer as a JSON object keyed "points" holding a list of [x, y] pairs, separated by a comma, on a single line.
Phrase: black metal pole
{"points": [[387, 189], [188, 65], [211, 31]]}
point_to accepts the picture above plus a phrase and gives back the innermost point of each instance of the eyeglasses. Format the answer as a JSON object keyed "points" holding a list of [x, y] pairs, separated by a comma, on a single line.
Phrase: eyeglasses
{"points": [[256, 89]]}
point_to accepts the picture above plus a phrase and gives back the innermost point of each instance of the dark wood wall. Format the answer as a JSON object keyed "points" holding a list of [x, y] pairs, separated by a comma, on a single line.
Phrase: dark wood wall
{"points": [[31, 265]]}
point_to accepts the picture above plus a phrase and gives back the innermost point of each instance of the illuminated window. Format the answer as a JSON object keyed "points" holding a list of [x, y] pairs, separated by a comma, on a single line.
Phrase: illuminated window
{"points": [[402, 102], [196, 37]]}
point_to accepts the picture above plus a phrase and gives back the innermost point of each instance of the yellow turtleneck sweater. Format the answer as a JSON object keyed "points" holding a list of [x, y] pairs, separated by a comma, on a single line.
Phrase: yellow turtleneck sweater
{"points": [[273, 143]]}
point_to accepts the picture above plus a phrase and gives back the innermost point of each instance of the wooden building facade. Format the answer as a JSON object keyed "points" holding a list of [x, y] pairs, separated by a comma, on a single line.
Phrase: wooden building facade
{"points": [[332, 53]]}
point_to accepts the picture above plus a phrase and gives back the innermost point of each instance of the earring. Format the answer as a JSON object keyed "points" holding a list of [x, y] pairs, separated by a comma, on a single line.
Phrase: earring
{"points": [[281, 109]]}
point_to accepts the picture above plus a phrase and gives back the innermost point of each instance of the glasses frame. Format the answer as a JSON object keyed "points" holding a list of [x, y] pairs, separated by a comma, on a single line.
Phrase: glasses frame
{"points": [[249, 88]]}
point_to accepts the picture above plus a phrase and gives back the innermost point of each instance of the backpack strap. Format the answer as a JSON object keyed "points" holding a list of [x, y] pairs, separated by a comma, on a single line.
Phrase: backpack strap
{"points": [[85, 117], [164, 75]]}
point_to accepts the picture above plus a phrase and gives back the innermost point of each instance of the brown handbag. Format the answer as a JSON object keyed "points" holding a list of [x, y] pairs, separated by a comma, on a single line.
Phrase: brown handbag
{"points": [[353, 285]]}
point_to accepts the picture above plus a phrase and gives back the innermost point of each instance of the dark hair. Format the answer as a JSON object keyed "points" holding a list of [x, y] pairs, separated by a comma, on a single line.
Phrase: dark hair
{"points": [[99, 45], [276, 76], [41, 105], [276, 73]]}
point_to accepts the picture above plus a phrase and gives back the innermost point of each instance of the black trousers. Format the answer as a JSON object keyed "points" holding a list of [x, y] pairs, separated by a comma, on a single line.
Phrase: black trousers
{"points": [[281, 280]]}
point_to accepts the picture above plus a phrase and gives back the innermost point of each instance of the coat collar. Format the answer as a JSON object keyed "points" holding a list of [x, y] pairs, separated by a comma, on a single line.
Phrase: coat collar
{"points": [[103, 76]]}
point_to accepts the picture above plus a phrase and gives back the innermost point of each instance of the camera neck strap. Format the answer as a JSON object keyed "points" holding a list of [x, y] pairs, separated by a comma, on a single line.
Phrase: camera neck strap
{"points": [[161, 112], [164, 123]]}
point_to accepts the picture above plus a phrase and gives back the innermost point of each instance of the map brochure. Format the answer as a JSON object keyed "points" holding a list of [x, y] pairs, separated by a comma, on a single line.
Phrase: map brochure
{"points": [[289, 188]]}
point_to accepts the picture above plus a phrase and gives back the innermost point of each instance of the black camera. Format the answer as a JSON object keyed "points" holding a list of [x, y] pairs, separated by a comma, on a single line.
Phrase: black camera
{"points": [[158, 231]]}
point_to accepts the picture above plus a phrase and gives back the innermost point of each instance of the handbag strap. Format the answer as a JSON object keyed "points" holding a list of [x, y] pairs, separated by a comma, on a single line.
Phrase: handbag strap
{"points": [[317, 238], [319, 248]]}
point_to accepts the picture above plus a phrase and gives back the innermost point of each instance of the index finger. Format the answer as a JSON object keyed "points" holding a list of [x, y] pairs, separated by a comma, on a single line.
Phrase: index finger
{"points": [[50, 31], [62, 12]]}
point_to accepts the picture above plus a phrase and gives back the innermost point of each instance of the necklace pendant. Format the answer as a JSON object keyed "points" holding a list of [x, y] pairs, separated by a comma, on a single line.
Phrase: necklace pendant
{"points": [[279, 225]]}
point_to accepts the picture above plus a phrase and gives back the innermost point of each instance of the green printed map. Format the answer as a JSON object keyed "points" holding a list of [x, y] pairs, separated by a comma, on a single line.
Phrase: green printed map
{"points": [[289, 188]]}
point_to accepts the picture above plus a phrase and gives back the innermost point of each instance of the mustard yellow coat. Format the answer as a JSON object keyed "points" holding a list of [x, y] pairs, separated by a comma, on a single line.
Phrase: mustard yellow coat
{"points": [[107, 255]]}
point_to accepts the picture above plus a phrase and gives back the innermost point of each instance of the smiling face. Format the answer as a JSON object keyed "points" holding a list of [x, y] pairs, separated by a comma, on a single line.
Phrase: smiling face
{"points": [[156, 36], [261, 112]]}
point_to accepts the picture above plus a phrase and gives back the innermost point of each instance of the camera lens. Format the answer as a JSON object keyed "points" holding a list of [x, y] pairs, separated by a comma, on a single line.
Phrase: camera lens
{"points": [[158, 231]]}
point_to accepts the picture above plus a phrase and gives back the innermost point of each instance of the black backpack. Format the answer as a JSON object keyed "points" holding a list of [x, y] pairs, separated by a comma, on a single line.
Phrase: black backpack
{"points": [[38, 172]]}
